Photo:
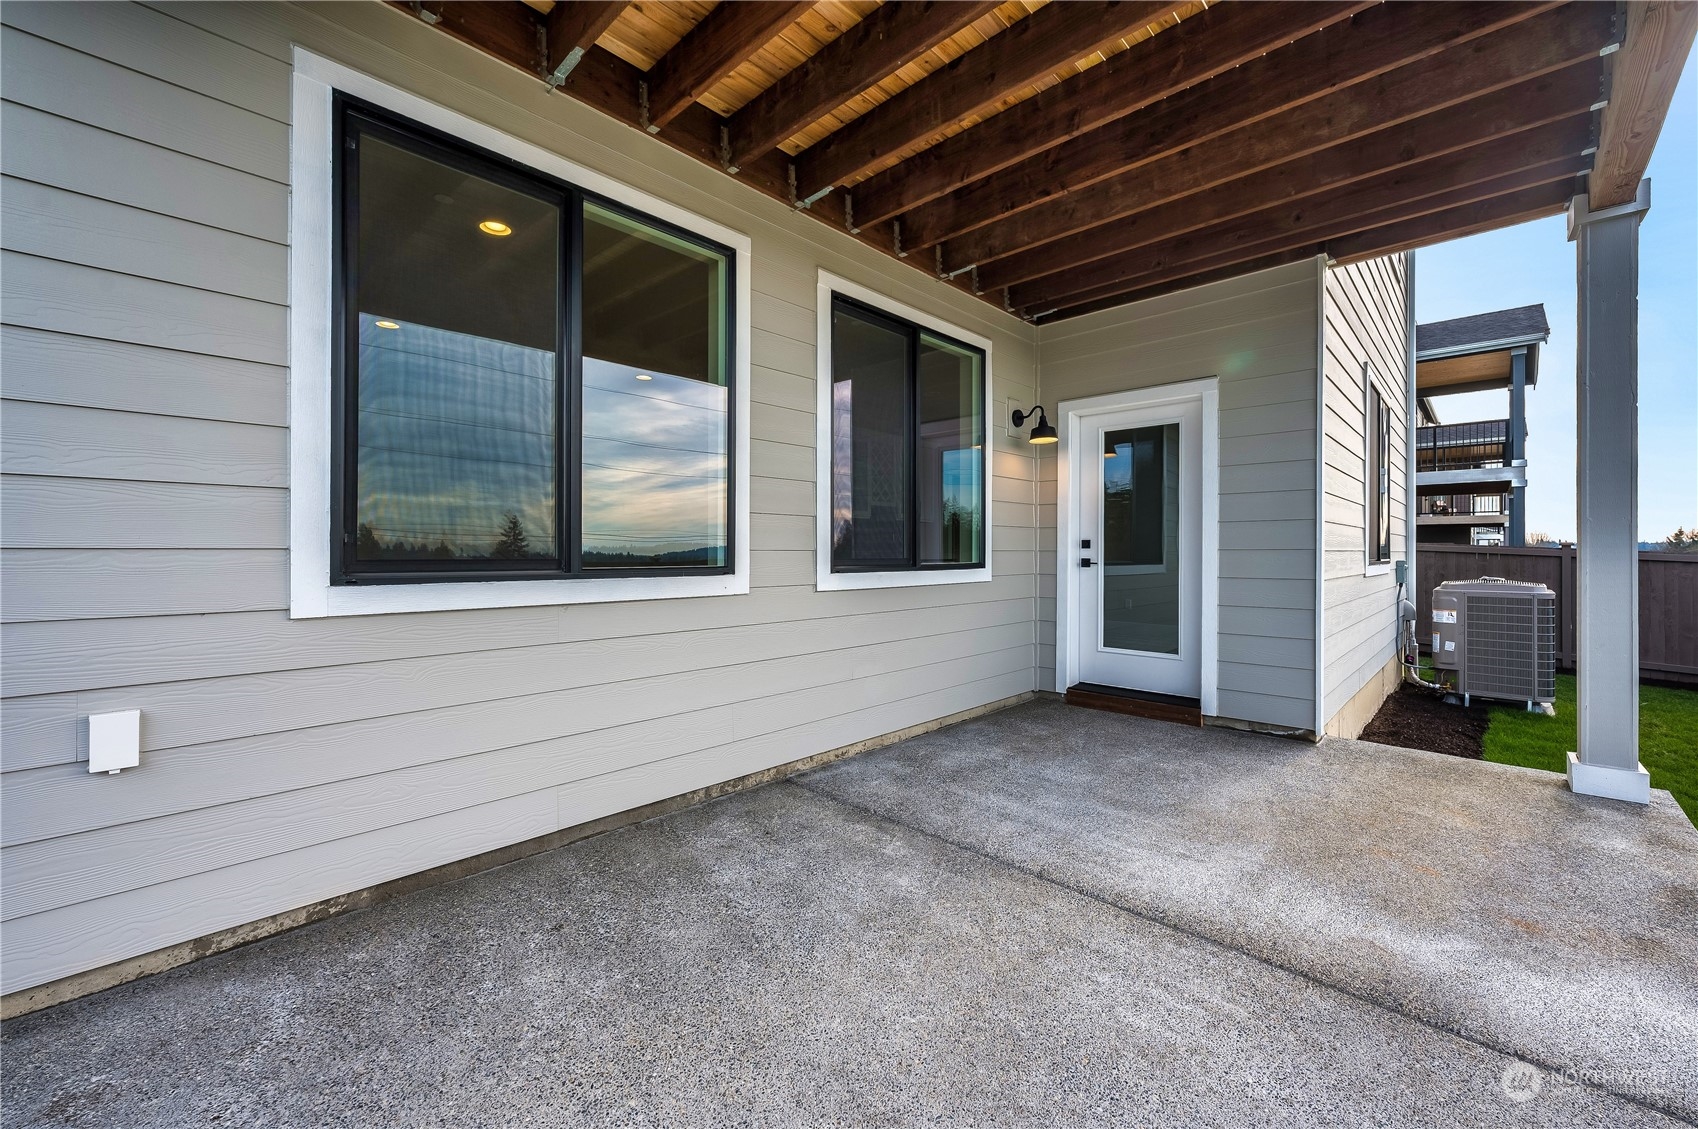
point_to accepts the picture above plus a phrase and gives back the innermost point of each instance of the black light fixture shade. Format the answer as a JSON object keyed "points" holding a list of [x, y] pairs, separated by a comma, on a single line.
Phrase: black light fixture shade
{"points": [[1042, 432]]}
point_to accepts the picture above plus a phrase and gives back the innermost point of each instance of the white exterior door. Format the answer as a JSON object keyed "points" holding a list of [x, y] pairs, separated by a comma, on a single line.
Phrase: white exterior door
{"points": [[1136, 559]]}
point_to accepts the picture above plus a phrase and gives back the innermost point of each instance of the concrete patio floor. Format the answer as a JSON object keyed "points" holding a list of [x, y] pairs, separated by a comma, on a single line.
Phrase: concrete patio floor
{"points": [[1047, 916]]}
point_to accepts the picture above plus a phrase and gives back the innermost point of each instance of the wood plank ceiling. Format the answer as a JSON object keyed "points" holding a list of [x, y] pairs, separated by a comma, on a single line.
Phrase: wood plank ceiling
{"points": [[1059, 158]]}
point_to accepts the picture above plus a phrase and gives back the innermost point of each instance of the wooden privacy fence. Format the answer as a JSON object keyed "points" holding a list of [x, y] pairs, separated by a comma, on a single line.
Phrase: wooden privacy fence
{"points": [[1668, 598]]}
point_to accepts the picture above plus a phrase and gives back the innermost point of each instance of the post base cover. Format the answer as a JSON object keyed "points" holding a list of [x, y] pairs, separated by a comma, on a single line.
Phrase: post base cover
{"points": [[1632, 785]]}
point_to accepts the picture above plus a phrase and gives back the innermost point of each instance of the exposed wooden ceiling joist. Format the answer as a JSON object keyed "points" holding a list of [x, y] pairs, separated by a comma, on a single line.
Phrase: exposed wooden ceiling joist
{"points": [[1454, 223], [1194, 50], [1495, 118], [883, 43], [1097, 153], [1540, 45], [711, 50], [571, 29], [1657, 39], [1313, 68], [513, 32], [1045, 41], [1537, 156], [1255, 237]]}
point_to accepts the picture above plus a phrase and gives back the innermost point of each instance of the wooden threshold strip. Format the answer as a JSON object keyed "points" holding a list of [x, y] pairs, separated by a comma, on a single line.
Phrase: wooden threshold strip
{"points": [[1137, 703]]}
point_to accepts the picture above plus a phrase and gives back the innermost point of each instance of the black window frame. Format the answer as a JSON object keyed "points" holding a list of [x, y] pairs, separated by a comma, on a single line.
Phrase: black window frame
{"points": [[914, 331], [1377, 419], [352, 116]]}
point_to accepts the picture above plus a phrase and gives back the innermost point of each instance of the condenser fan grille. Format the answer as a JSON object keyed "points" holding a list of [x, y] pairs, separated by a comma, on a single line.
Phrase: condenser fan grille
{"points": [[1507, 639]]}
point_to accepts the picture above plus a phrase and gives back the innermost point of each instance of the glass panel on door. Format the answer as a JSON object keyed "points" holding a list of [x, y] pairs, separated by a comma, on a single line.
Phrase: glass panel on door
{"points": [[1140, 539]]}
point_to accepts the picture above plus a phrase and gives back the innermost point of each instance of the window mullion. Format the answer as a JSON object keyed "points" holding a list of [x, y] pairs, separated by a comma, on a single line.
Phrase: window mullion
{"points": [[570, 399], [913, 447]]}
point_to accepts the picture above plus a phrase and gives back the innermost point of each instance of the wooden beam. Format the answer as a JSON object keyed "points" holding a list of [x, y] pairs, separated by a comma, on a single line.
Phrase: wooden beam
{"points": [[1276, 230], [1043, 42], [722, 42], [1323, 74], [1470, 219], [1492, 120], [1189, 282], [1542, 45], [510, 30], [1658, 37], [571, 29], [890, 38], [1487, 215], [1196, 49]]}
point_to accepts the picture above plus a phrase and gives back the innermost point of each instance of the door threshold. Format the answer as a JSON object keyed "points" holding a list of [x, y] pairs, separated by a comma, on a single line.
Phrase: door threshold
{"points": [[1137, 703]]}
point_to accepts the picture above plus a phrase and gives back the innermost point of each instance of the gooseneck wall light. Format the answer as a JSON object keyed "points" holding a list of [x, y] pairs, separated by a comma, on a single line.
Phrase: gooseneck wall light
{"points": [[1042, 432]]}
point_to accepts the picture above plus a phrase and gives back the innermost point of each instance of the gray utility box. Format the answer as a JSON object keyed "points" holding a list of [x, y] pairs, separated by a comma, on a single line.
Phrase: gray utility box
{"points": [[1496, 638]]}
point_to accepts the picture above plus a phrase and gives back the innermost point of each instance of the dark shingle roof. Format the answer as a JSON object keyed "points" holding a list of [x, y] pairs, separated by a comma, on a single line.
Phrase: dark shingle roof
{"points": [[1519, 324]]}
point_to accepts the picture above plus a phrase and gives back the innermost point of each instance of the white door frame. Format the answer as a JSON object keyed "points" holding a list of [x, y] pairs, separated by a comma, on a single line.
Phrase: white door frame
{"points": [[1071, 416]]}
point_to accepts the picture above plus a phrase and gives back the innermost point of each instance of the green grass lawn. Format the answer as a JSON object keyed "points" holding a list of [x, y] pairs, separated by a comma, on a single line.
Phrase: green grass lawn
{"points": [[1668, 738]]}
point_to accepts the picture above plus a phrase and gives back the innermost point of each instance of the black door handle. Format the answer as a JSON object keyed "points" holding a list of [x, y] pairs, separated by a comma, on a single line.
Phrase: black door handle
{"points": [[1084, 562]]}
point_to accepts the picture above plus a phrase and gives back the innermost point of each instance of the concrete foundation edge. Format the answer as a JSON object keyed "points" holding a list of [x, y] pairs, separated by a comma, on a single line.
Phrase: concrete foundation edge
{"points": [[1354, 715], [26, 1000]]}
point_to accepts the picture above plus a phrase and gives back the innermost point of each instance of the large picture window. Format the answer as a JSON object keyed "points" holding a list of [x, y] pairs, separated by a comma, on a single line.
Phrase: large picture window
{"points": [[534, 383], [907, 445]]}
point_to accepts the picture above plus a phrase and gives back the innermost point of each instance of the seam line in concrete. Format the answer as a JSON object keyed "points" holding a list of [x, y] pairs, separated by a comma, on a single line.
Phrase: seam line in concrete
{"points": [[1227, 946]]}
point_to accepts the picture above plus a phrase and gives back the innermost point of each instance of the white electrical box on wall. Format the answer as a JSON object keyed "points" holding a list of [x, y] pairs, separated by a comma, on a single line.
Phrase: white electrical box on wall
{"points": [[114, 740]]}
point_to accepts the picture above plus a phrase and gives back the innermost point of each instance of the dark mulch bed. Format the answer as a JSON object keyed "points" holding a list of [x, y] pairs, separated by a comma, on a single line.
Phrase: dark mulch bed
{"points": [[1413, 718]]}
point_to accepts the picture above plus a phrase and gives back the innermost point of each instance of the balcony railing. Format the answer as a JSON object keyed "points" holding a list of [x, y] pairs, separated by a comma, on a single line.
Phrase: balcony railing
{"points": [[1464, 505], [1462, 446]]}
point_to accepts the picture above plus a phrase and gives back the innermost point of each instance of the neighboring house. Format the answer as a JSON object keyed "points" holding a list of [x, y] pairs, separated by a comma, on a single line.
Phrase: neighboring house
{"points": [[441, 464], [1472, 476]]}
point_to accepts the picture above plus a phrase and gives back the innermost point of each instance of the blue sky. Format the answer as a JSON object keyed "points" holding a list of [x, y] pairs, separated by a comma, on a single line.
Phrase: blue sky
{"points": [[1534, 262]]}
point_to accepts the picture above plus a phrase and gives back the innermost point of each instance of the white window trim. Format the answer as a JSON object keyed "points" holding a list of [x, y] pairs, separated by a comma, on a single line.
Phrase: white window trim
{"points": [[311, 595], [826, 580], [1371, 567]]}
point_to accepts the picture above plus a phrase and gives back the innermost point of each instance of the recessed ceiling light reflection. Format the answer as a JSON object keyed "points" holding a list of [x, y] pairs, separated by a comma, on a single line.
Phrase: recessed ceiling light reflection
{"points": [[494, 227], [386, 324], [644, 376]]}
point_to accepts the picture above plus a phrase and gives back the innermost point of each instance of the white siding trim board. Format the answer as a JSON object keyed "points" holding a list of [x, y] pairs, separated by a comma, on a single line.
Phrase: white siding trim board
{"points": [[1320, 684]]}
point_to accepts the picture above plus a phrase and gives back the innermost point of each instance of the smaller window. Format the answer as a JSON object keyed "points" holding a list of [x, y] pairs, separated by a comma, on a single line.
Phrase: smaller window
{"points": [[907, 445], [1379, 475]]}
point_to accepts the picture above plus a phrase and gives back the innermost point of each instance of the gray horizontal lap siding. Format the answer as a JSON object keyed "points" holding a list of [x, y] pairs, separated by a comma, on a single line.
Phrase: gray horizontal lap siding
{"points": [[145, 521], [1364, 323], [1257, 334]]}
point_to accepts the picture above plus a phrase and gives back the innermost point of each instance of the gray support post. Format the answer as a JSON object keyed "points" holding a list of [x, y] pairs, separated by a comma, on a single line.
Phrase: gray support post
{"points": [[1607, 387], [1517, 538]]}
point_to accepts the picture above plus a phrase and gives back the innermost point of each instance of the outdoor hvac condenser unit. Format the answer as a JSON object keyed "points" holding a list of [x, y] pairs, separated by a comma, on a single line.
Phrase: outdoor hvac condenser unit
{"points": [[1496, 638]]}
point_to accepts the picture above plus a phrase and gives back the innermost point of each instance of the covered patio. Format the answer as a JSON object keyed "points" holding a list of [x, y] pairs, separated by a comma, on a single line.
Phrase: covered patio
{"points": [[1047, 915]]}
